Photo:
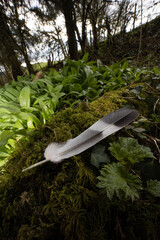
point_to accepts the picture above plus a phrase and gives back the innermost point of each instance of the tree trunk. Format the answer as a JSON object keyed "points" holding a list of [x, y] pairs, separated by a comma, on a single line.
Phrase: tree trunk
{"points": [[83, 26], [23, 48], [8, 47], [93, 19], [95, 39], [13, 63], [69, 21]]}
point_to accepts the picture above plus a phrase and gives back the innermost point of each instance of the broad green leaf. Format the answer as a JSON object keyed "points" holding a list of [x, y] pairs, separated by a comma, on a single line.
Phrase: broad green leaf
{"points": [[30, 109], [12, 90], [125, 65], [26, 116], [128, 151], [3, 155], [44, 109], [24, 97], [48, 82], [7, 117], [9, 96], [85, 57], [116, 181], [21, 132], [2, 162], [58, 88], [30, 124], [99, 156], [9, 108], [88, 71], [5, 135], [40, 98], [11, 142], [99, 63], [153, 187], [6, 124]]}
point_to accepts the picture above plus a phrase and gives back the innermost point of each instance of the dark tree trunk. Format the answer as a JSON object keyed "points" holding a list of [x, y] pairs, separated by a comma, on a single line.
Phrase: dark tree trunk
{"points": [[22, 48], [83, 26], [95, 40], [93, 19], [13, 63], [27, 61], [70, 26], [84, 15], [8, 47]]}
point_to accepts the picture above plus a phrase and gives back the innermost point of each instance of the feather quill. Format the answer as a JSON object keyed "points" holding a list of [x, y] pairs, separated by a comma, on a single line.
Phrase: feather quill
{"points": [[104, 127]]}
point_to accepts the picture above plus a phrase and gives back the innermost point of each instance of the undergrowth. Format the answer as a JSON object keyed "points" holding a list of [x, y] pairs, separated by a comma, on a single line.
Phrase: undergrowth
{"points": [[27, 104], [108, 192]]}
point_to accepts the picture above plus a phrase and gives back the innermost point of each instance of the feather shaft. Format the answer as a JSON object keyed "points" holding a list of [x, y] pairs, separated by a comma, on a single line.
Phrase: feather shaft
{"points": [[35, 165]]}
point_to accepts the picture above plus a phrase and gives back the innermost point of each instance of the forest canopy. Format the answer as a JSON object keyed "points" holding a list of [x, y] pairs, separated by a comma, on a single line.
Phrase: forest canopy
{"points": [[30, 30]]}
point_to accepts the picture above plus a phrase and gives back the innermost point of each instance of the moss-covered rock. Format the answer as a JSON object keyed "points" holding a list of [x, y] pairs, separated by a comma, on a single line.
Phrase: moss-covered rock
{"points": [[61, 201]]}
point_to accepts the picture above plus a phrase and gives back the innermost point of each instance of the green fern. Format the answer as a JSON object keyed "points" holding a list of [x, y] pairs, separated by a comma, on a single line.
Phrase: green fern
{"points": [[128, 151], [115, 180]]}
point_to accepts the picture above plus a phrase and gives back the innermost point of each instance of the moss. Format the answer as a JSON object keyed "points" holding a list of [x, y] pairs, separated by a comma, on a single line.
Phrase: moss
{"points": [[109, 102]]}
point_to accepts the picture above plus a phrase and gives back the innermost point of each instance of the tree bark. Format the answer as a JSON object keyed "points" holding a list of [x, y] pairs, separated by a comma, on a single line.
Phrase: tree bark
{"points": [[23, 48], [70, 26], [93, 19], [8, 48]]}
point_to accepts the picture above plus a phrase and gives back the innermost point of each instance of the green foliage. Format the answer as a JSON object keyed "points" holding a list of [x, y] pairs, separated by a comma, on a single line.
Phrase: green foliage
{"points": [[27, 104], [61, 201], [99, 156], [153, 187], [115, 180], [24, 97], [128, 151], [120, 179], [46, 205]]}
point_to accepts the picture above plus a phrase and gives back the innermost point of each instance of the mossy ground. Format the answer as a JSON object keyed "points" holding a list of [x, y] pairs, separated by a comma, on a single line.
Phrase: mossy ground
{"points": [[61, 201]]}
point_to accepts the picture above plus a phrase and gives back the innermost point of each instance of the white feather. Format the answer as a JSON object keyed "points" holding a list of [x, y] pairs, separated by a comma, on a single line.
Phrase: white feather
{"points": [[107, 125], [51, 152]]}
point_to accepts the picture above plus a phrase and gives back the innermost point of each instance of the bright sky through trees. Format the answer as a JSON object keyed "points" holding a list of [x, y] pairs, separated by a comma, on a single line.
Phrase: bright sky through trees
{"points": [[151, 9]]}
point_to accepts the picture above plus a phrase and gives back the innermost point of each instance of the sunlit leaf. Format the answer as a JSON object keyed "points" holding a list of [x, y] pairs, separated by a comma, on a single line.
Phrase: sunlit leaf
{"points": [[85, 57], [25, 116], [9, 108], [5, 135], [24, 97], [12, 90]]}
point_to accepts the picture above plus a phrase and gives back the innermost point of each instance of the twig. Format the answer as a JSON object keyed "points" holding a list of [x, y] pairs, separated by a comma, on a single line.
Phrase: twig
{"points": [[154, 109], [154, 90], [151, 137], [157, 146], [155, 140], [135, 173]]}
